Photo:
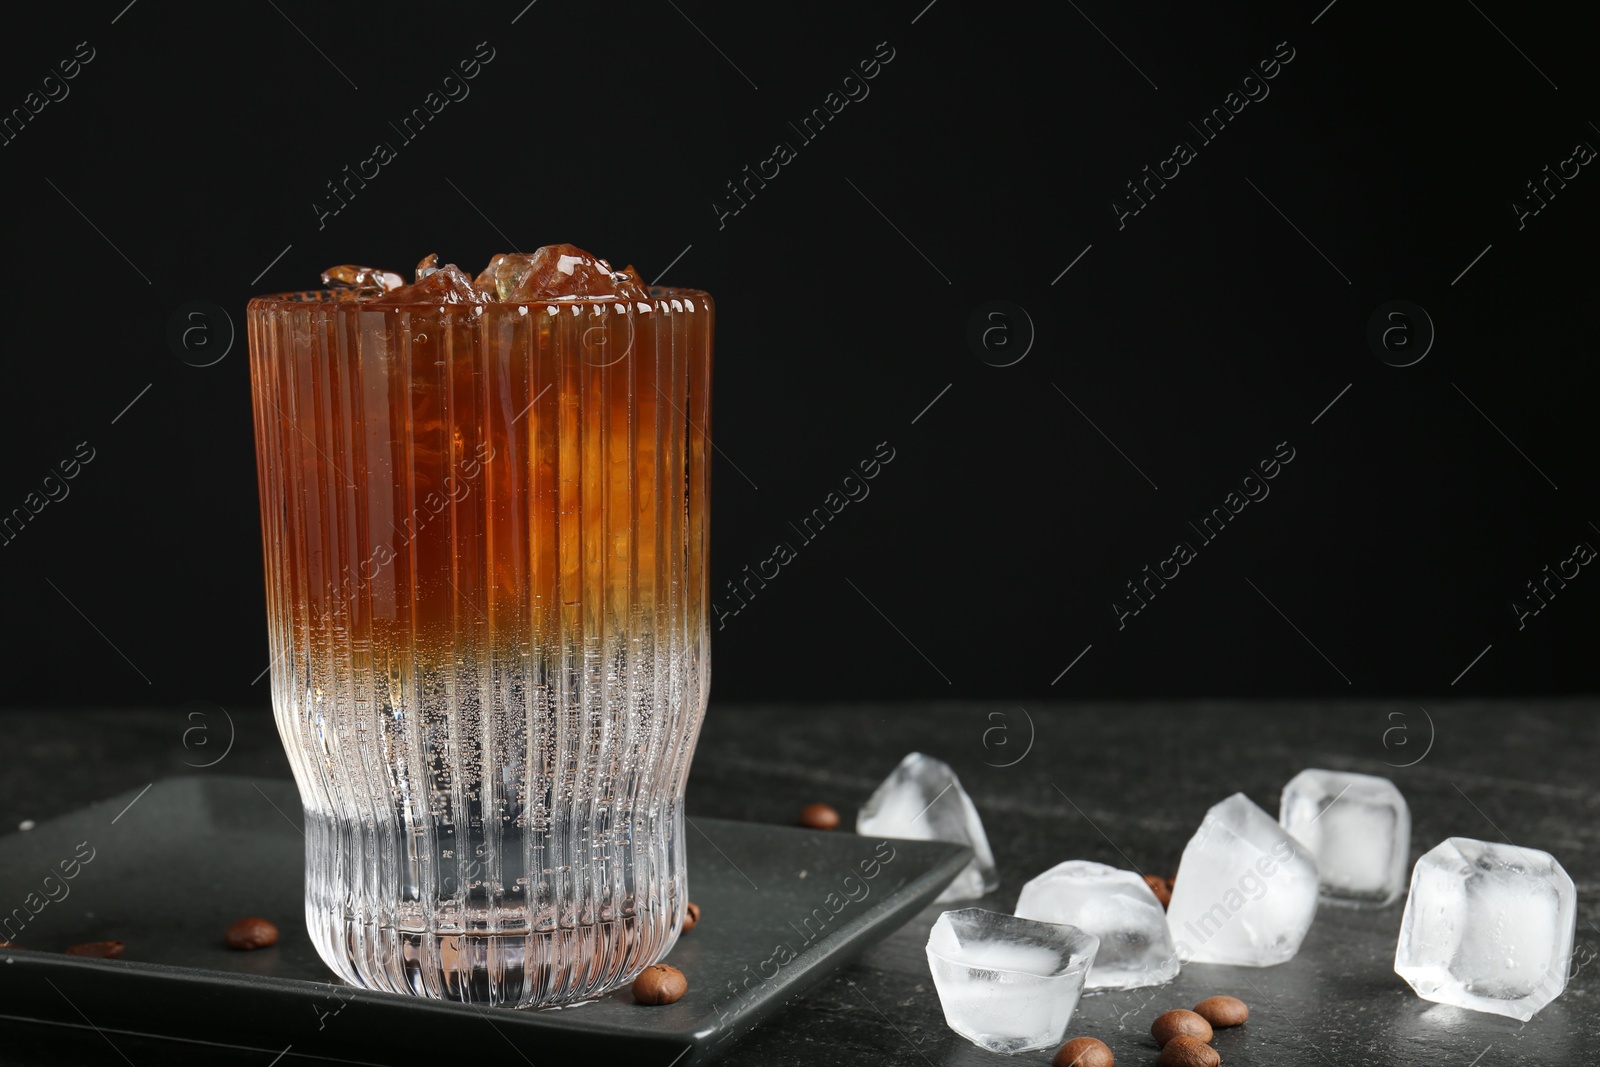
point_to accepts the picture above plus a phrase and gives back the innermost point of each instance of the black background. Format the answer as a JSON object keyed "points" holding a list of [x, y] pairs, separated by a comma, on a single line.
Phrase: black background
{"points": [[1219, 321]]}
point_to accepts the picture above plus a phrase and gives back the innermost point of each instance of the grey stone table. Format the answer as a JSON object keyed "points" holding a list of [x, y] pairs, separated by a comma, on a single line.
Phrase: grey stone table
{"points": [[1124, 784]]}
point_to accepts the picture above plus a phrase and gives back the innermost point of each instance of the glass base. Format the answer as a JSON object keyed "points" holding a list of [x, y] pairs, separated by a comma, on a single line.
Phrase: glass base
{"points": [[506, 970], [407, 920]]}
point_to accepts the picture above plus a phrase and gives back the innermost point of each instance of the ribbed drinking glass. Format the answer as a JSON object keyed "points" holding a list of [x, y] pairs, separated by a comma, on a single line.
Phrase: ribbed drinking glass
{"points": [[485, 540]]}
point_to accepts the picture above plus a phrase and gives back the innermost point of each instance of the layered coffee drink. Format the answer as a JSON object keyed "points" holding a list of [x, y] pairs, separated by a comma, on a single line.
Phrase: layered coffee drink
{"points": [[484, 507]]}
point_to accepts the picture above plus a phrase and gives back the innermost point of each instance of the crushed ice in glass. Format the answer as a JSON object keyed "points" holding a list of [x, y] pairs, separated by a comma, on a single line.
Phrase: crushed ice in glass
{"points": [[369, 280], [554, 272], [448, 284]]}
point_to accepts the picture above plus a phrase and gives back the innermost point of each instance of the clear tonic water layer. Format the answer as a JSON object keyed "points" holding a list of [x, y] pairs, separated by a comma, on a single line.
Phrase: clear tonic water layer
{"points": [[485, 533]]}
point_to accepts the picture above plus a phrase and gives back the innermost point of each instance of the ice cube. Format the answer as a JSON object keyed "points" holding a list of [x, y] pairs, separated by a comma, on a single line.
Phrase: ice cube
{"points": [[371, 280], [505, 273], [923, 800], [557, 271], [1246, 891], [1115, 906], [554, 272], [1008, 984], [448, 284], [1488, 927], [1357, 826]]}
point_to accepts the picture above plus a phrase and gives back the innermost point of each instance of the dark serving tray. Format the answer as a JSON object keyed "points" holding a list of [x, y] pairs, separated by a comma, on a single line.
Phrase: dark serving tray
{"points": [[167, 869]]}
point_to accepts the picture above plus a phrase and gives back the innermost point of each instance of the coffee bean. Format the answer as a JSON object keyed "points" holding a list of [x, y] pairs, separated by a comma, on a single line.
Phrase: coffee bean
{"points": [[1161, 887], [819, 817], [1179, 1023], [251, 932], [1189, 1052], [691, 916], [659, 984], [100, 950], [1084, 1052], [1223, 1011]]}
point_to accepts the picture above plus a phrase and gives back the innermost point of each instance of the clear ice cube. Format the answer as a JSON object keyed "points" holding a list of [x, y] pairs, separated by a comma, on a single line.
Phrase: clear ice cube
{"points": [[1246, 891], [1357, 826], [1488, 927], [370, 280], [448, 284], [555, 272], [1115, 906], [922, 799], [1008, 984]]}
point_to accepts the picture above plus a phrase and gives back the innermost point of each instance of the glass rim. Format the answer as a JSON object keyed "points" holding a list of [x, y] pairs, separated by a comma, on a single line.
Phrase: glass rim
{"points": [[343, 299]]}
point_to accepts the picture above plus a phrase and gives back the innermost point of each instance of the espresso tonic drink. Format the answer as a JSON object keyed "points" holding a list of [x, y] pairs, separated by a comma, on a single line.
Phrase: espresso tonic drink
{"points": [[484, 508]]}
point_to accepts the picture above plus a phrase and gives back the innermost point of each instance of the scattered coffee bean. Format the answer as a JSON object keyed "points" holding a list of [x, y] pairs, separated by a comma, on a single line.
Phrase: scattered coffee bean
{"points": [[251, 932], [691, 916], [659, 984], [100, 950], [1223, 1011], [819, 817], [1161, 887], [1084, 1052], [1189, 1052], [1179, 1023]]}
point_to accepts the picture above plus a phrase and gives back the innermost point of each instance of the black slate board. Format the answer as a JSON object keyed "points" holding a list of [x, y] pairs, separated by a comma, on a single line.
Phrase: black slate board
{"points": [[169, 867]]}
